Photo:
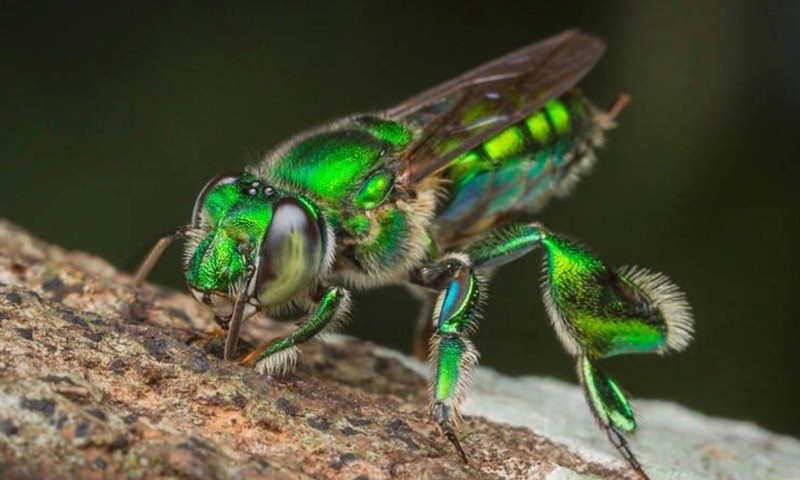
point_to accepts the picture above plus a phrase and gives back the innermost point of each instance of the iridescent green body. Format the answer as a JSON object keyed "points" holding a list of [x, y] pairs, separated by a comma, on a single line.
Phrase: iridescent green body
{"points": [[519, 169], [348, 170], [430, 194]]}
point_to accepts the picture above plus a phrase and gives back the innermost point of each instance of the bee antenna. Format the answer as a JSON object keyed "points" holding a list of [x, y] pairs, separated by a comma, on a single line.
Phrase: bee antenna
{"points": [[622, 101]]}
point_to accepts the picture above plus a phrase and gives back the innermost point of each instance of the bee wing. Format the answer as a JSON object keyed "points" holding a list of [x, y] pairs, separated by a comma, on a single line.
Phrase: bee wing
{"points": [[459, 115]]}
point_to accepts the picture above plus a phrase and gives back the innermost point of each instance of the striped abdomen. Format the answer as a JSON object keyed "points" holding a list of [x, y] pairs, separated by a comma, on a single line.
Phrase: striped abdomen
{"points": [[521, 168]]}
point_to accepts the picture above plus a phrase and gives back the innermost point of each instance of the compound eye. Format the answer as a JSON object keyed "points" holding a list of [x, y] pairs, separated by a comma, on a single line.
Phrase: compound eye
{"points": [[291, 253], [221, 179]]}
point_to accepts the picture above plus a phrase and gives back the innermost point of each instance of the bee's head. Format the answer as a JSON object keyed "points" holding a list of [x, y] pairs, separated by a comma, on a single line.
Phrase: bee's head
{"points": [[250, 236]]}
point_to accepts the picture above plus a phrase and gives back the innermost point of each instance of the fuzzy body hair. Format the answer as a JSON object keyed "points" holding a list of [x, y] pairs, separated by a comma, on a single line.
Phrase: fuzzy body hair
{"points": [[669, 300], [279, 364]]}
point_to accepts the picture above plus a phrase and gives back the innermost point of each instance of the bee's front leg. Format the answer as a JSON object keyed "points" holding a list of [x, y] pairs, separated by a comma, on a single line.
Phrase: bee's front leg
{"points": [[452, 354], [279, 355]]}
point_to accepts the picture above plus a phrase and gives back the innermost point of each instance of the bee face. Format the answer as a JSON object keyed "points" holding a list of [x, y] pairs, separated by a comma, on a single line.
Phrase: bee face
{"points": [[249, 236]]}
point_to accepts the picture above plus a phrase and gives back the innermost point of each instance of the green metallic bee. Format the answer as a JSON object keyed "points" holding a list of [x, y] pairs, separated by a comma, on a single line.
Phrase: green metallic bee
{"points": [[425, 194]]}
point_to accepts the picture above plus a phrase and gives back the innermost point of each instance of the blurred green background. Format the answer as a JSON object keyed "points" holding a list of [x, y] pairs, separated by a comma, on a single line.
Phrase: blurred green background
{"points": [[113, 116]]}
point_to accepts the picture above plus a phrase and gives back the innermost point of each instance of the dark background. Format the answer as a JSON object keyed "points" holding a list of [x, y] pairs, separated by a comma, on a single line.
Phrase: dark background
{"points": [[113, 117]]}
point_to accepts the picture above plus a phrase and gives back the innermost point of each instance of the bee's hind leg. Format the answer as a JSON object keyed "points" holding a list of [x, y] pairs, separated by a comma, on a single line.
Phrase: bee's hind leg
{"points": [[598, 312]]}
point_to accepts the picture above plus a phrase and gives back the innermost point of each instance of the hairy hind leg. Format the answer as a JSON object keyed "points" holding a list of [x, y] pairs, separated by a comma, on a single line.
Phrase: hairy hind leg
{"points": [[598, 312]]}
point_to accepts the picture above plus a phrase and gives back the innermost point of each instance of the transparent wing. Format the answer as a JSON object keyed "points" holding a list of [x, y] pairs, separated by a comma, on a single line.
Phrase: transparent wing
{"points": [[459, 115]]}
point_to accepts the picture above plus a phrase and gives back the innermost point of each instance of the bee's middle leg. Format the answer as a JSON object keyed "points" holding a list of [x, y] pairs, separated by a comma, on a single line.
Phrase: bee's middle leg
{"points": [[452, 354]]}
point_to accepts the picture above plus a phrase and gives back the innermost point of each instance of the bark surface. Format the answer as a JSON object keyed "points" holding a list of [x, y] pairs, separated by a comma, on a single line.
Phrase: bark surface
{"points": [[91, 387]]}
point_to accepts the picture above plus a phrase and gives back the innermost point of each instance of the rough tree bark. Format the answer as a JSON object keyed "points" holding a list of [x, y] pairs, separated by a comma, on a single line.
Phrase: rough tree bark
{"points": [[90, 388]]}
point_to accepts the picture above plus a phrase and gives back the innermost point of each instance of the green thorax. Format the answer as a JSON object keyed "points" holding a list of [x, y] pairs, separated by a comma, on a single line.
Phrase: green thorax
{"points": [[519, 168], [348, 165]]}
